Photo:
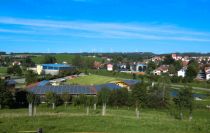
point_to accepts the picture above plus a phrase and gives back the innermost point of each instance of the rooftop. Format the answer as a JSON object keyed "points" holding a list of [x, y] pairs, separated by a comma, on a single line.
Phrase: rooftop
{"points": [[56, 65]]}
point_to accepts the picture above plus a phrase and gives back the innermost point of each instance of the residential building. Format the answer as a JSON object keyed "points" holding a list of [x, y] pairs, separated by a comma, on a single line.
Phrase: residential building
{"points": [[109, 67], [207, 72], [160, 70], [52, 69], [182, 72]]}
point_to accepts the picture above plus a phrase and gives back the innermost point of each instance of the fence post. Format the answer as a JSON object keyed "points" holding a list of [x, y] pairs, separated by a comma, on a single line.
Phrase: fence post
{"points": [[39, 130]]}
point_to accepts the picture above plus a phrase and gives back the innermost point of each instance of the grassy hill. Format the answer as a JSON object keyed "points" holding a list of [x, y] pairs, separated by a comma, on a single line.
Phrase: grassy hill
{"points": [[122, 120], [60, 58]]}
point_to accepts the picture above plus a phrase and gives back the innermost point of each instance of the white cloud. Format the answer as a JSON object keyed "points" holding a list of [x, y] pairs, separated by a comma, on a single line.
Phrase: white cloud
{"points": [[103, 30]]}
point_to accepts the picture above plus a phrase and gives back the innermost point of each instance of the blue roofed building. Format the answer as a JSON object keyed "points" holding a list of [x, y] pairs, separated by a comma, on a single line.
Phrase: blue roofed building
{"points": [[53, 69]]}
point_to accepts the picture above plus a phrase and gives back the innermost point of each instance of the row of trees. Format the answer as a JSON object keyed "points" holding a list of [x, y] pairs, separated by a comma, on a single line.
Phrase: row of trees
{"points": [[143, 95]]}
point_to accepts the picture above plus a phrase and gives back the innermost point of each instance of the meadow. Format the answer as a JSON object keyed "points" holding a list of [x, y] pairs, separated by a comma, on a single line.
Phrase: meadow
{"points": [[92, 80], [3, 70], [122, 120]]}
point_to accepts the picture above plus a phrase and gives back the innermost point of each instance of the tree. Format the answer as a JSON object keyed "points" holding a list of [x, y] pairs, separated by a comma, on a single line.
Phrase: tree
{"points": [[184, 99], [151, 66], [51, 98], [66, 97], [104, 96], [77, 61], [16, 70], [189, 100], [139, 93], [48, 59], [191, 72], [134, 76], [6, 97], [10, 70], [36, 102], [89, 62], [95, 101], [172, 70], [28, 62], [30, 77], [86, 101], [30, 99], [89, 102], [178, 65], [118, 97], [168, 60]]}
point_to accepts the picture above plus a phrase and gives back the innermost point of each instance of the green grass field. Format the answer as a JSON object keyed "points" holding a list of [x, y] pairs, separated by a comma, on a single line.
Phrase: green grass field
{"points": [[123, 120], [60, 58], [3, 70], [92, 80]]}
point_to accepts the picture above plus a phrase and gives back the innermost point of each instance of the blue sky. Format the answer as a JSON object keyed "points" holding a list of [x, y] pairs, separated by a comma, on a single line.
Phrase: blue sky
{"points": [[157, 26]]}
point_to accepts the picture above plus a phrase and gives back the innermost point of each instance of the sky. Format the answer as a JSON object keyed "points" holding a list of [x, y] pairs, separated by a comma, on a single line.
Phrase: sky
{"points": [[159, 26]]}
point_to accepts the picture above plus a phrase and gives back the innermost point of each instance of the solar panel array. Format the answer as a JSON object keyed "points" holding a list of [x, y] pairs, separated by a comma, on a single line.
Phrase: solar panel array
{"points": [[78, 89], [111, 86], [71, 89], [131, 82]]}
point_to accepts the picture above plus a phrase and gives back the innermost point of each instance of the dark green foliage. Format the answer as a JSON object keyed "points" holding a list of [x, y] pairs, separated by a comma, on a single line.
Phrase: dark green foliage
{"points": [[104, 95], [184, 99], [168, 60], [66, 97], [6, 97], [139, 93], [77, 61], [157, 96], [172, 69], [31, 77], [52, 97], [27, 62], [119, 97], [76, 101], [82, 99], [151, 66], [48, 59], [191, 72], [21, 98], [134, 76], [176, 79], [16, 70], [30, 98], [177, 65]]}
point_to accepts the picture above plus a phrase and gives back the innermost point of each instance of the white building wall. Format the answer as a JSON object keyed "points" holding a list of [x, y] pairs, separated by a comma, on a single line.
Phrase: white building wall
{"points": [[51, 72], [181, 73], [207, 76]]}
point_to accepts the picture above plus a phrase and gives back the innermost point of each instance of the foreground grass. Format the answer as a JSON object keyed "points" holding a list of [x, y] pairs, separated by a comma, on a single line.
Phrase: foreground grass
{"points": [[74, 119], [92, 80]]}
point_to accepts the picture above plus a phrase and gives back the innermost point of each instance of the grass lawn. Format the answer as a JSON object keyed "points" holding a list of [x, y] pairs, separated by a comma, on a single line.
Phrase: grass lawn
{"points": [[74, 119], [92, 80], [3, 70]]}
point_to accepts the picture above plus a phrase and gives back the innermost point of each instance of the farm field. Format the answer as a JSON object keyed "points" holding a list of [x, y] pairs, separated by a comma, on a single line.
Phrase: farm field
{"points": [[92, 80], [122, 120], [60, 58]]}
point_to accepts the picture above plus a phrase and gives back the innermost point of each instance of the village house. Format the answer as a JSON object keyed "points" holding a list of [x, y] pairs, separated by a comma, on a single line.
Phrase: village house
{"points": [[160, 70], [182, 72], [207, 72], [109, 67]]}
